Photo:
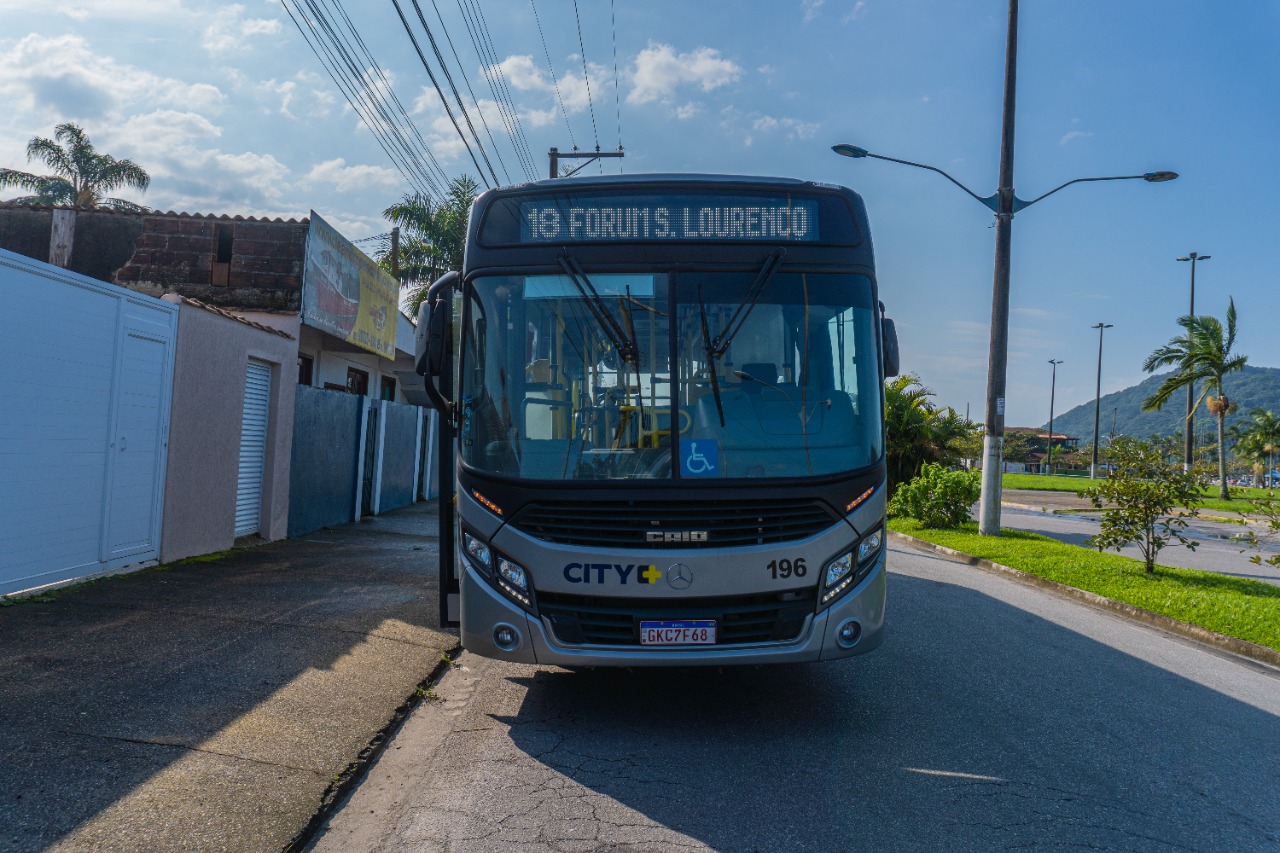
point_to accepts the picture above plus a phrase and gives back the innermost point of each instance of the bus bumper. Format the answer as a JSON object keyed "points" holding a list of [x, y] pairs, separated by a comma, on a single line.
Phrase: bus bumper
{"points": [[484, 610]]}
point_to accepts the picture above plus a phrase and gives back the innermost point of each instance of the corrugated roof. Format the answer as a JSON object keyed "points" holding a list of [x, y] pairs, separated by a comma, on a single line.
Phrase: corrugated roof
{"points": [[152, 213], [224, 313]]}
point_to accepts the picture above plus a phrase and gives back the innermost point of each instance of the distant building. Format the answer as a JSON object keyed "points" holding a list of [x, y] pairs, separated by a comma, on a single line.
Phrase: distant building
{"points": [[262, 270], [1035, 460]]}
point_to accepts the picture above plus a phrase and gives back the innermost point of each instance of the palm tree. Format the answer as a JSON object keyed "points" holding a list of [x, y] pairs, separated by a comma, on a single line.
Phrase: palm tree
{"points": [[81, 176], [432, 236], [1258, 437], [918, 431], [1202, 354]]}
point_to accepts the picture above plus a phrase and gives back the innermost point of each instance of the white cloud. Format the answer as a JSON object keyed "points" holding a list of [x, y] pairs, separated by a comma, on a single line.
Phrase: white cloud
{"points": [[688, 111], [794, 128], [188, 175], [61, 78], [1074, 134], [659, 70], [229, 31], [346, 178], [859, 9], [812, 8]]}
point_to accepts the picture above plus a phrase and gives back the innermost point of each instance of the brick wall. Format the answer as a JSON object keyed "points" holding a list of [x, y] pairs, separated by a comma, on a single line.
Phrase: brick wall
{"points": [[103, 238], [180, 254]]}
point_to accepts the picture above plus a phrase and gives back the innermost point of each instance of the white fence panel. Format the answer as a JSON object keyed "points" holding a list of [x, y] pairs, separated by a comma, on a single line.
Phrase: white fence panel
{"points": [[84, 433]]}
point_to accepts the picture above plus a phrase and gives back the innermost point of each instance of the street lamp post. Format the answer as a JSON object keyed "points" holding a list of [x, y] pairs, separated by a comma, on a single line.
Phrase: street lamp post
{"points": [[1097, 399], [1004, 204], [1191, 386], [1053, 381]]}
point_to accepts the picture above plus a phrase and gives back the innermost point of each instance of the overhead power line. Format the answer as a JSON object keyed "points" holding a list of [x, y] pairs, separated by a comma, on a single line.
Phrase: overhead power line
{"points": [[617, 97], [386, 82], [462, 70], [554, 82], [353, 86], [478, 30], [443, 100], [462, 108], [586, 77]]}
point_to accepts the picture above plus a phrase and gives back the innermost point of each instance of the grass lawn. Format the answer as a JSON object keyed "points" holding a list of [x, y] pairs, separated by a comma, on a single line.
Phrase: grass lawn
{"points": [[1056, 483], [1237, 607]]}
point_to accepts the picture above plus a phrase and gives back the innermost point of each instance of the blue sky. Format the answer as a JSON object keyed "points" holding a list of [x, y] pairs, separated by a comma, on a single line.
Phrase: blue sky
{"points": [[230, 111]]}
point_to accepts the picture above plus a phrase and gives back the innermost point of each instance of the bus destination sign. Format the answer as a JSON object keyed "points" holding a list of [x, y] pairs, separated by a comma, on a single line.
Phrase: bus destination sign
{"points": [[714, 218]]}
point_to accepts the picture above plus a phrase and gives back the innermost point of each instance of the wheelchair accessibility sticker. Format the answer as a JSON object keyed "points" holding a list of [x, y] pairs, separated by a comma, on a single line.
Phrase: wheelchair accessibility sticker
{"points": [[699, 457]]}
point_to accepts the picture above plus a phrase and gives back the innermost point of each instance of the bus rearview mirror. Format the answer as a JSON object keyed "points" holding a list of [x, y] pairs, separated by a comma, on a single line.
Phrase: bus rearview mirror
{"points": [[889, 333]]}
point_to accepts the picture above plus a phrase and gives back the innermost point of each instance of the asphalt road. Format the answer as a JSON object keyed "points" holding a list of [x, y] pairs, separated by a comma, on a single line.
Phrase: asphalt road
{"points": [[1214, 553], [996, 715]]}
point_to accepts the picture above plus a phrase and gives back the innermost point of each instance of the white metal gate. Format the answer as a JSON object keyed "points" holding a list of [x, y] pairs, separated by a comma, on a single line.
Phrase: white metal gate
{"points": [[85, 426], [253, 447]]}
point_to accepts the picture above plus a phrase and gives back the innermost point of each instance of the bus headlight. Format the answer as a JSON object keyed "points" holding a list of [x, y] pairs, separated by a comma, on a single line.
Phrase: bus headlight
{"points": [[512, 574], [477, 550], [513, 581], [870, 545], [844, 571]]}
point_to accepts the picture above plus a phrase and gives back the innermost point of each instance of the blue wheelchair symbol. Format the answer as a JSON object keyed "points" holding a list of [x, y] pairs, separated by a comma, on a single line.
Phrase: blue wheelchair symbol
{"points": [[700, 457]]}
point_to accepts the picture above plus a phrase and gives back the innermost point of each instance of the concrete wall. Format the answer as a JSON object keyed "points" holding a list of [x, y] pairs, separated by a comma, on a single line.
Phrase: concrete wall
{"points": [[204, 435], [325, 478]]}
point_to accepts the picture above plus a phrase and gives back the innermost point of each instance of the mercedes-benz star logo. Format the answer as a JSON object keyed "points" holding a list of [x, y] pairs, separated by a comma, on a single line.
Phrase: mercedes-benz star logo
{"points": [[679, 576]]}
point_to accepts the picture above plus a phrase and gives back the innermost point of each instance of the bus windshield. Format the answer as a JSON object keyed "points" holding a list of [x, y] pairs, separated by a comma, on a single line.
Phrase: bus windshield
{"points": [[666, 375]]}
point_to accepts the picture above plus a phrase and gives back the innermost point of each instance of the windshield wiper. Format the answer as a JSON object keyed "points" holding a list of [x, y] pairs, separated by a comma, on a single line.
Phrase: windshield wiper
{"points": [[711, 356], [721, 344], [626, 350]]}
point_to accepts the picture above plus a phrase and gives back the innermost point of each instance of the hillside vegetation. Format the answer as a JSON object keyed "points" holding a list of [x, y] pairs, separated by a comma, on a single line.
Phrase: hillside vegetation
{"points": [[1254, 387]]}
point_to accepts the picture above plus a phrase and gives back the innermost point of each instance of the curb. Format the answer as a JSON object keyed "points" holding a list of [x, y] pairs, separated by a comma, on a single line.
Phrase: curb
{"points": [[1186, 630]]}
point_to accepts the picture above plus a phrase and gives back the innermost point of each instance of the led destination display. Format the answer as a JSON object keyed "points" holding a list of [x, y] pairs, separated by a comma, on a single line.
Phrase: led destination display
{"points": [[767, 218]]}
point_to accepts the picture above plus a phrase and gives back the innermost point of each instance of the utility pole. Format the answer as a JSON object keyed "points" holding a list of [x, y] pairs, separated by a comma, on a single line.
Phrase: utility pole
{"points": [[1097, 400], [556, 156], [395, 252], [1187, 444], [1053, 381], [998, 351]]}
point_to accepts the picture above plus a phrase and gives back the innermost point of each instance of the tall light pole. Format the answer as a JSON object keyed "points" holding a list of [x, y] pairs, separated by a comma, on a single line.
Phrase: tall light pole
{"points": [[1191, 386], [1053, 381], [1004, 204], [1097, 399]]}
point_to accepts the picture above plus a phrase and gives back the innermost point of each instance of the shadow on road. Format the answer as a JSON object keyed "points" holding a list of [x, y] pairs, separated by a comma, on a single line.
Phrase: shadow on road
{"points": [[977, 724]]}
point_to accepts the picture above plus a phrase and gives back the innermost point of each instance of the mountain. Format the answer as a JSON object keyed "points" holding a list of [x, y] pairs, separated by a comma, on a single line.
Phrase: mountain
{"points": [[1252, 388]]}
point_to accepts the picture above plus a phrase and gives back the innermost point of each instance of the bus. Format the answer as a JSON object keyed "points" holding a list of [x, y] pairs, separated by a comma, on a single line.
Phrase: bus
{"points": [[662, 438]]}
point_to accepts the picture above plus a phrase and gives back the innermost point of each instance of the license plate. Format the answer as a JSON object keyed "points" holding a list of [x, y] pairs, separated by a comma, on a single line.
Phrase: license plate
{"points": [[696, 632]]}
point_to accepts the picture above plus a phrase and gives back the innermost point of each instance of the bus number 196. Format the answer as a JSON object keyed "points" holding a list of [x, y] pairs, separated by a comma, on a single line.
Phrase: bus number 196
{"points": [[786, 568]]}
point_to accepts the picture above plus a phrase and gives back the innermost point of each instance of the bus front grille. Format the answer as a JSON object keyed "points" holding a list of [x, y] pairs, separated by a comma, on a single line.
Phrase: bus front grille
{"points": [[674, 524], [740, 619]]}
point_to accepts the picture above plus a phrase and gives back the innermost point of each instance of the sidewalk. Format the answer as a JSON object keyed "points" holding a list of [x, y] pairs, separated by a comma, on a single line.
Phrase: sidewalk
{"points": [[210, 705]]}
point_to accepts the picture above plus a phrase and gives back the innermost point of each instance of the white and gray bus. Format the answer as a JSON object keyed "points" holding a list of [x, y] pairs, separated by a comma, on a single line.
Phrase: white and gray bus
{"points": [[662, 439]]}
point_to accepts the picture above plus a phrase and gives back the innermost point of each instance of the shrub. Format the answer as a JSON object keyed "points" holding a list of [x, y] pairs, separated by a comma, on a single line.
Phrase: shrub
{"points": [[1145, 500], [938, 498]]}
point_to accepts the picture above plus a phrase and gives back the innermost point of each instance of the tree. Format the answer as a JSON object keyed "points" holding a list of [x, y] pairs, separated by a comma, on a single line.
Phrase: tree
{"points": [[918, 431], [1143, 499], [432, 236], [1203, 354], [1258, 438], [81, 176]]}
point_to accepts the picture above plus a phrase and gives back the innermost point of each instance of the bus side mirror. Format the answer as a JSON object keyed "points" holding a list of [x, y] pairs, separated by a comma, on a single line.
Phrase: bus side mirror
{"points": [[889, 333], [430, 339], [421, 338]]}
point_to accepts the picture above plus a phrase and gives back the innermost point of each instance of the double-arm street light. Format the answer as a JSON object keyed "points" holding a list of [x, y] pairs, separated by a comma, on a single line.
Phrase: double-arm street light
{"points": [[1191, 386], [1005, 204], [1053, 381], [1097, 399]]}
